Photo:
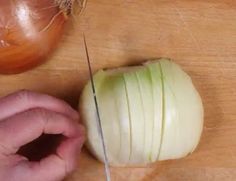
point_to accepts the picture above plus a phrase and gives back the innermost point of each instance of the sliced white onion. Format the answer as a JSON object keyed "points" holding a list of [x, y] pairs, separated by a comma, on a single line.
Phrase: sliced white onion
{"points": [[148, 113], [157, 107], [183, 119], [145, 86]]}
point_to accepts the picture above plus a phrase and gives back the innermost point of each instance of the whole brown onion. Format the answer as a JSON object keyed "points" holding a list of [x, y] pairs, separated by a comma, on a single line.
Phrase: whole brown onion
{"points": [[30, 31]]}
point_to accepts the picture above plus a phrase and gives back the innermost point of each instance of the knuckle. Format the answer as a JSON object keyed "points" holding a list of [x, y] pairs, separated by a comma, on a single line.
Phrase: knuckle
{"points": [[23, 95], [43, 114]]}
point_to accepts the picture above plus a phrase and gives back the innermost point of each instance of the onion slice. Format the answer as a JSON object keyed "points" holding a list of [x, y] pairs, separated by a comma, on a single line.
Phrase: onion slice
{"points": [[183, 113]]}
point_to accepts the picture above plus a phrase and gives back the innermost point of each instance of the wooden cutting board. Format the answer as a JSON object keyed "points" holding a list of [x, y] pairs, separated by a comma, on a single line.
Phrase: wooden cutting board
{"points": [[199, 35]]}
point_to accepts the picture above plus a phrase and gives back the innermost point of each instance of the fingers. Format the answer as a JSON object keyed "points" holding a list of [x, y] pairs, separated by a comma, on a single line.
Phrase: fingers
{"points": [[24, 117], [68, 151], [54, 167], [58, 165], [25, 100], [23, 128]]}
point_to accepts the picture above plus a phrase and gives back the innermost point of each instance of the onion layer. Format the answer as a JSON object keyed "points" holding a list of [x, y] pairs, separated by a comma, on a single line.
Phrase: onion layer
{"points": [[149, 113], [29, 31]]}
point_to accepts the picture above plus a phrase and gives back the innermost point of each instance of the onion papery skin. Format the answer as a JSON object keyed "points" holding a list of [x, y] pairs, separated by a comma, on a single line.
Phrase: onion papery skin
{"points": [[29, 31]]}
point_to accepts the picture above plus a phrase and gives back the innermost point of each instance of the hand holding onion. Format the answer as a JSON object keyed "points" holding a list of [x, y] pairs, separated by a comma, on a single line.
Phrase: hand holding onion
{"points": [[150, 112]]}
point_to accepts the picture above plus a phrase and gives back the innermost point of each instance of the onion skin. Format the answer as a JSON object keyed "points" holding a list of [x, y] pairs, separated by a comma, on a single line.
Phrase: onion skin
{"points": [[29, 32]]}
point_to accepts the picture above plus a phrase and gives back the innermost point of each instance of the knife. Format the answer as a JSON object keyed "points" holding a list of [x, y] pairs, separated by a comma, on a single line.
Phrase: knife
{"points": [[100, 130]]}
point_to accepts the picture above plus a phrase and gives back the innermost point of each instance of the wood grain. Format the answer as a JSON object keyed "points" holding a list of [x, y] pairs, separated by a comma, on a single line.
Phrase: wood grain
{"points": [[199, 35]]}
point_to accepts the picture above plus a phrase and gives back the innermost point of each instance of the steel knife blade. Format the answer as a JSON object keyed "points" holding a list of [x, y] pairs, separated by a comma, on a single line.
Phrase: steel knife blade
{"points": [[100, 130]]}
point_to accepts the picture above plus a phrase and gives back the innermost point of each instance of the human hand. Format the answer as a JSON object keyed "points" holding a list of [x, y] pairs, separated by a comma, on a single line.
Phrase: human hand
{"points": [[25, 116]]}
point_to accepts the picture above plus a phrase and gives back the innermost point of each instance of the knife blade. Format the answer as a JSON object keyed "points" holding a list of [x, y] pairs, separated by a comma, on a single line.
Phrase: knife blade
{"points": [[100, 130]]}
